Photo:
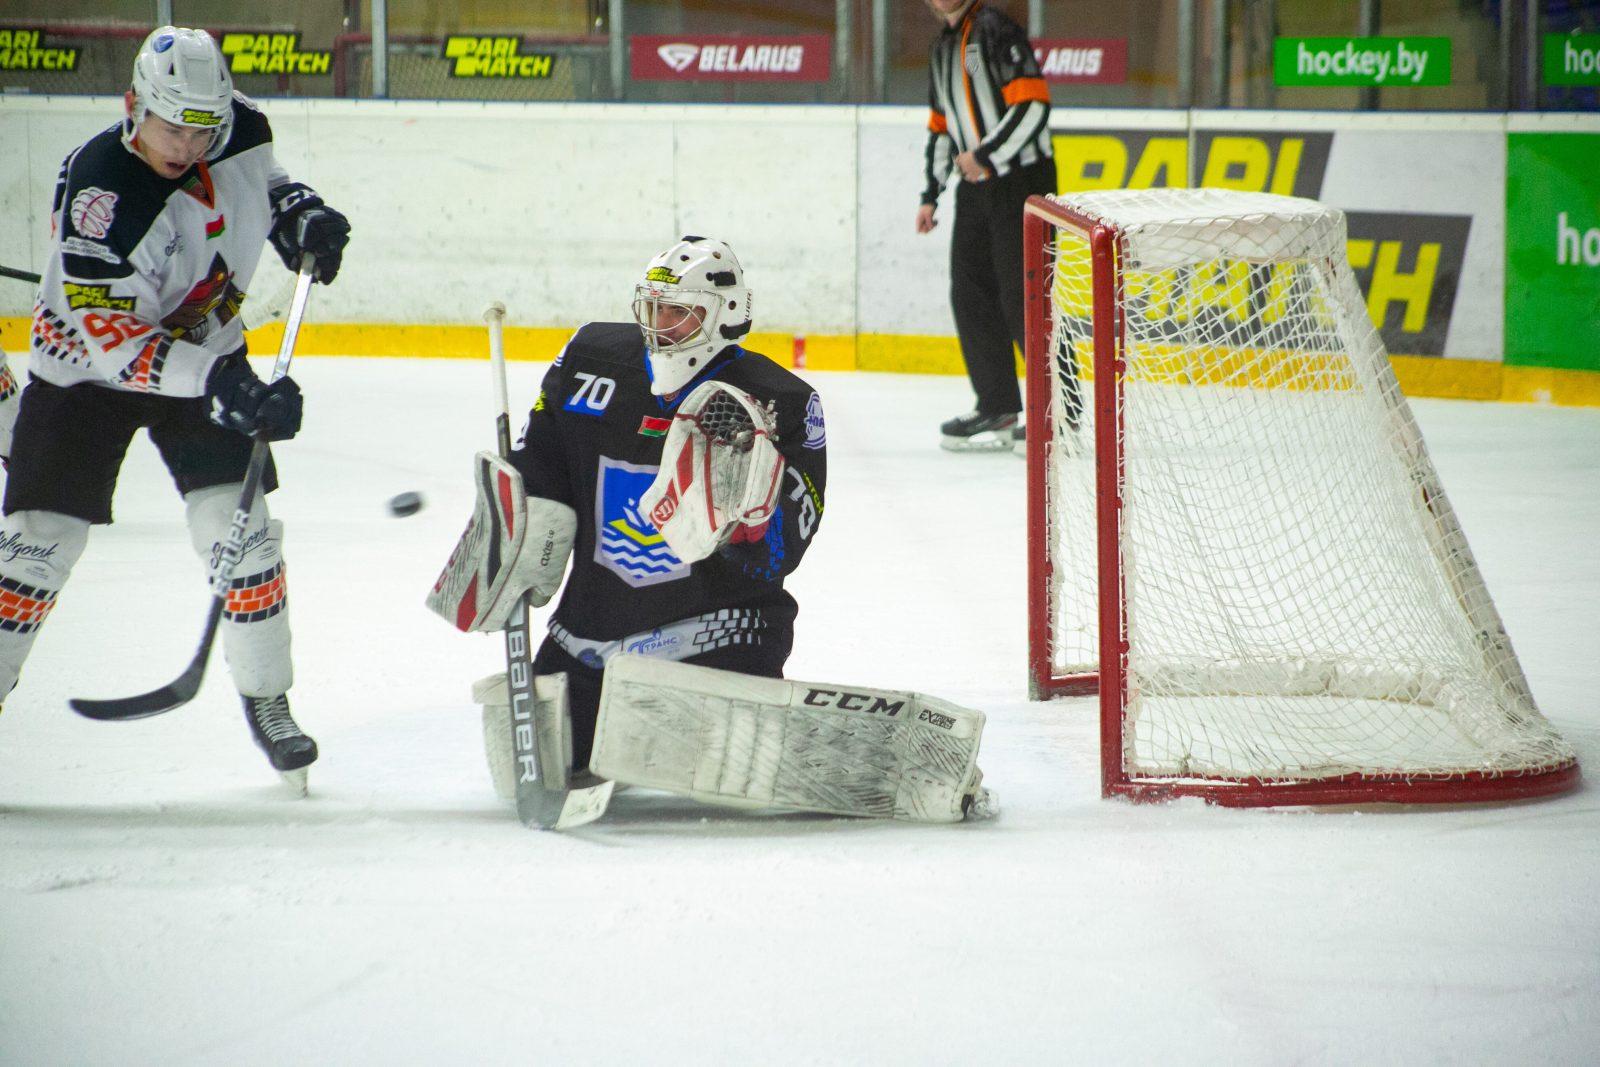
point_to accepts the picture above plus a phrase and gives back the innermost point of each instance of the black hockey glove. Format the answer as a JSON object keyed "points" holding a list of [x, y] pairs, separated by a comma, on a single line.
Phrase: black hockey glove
{"points": [[241, 401], [301, 222]]}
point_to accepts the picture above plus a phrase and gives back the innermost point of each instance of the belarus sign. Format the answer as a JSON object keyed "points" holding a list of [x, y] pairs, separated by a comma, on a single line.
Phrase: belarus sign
{"points": [[742, 57], [1081, 61], [1388, 61]]}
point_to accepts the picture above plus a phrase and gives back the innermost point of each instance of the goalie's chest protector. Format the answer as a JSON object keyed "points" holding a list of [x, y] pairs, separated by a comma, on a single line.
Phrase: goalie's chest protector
{"points": [[613, 432]]}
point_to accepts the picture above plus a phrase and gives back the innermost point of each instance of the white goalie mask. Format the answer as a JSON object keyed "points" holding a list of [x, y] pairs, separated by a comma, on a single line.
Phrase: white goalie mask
{"points": [[181, 76], [691, 305]]}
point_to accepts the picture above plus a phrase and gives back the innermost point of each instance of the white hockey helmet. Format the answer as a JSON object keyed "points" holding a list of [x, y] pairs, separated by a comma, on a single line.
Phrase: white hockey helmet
{"points": [[698, 277], [182, 76]]}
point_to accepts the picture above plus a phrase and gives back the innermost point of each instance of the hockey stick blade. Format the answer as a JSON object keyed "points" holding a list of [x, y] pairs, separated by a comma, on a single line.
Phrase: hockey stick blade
{"points": [[170, 696], [173, 695], [567, 809]]}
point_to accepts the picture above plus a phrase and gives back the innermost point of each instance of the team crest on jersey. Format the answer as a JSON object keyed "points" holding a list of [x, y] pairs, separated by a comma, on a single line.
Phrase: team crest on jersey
{"points": [[626, 542], [93, 212], [215, 293], [816, 426]]}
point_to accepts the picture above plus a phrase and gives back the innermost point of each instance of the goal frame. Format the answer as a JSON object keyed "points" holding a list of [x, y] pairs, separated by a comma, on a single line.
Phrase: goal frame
{"points": [[1110, 681]]}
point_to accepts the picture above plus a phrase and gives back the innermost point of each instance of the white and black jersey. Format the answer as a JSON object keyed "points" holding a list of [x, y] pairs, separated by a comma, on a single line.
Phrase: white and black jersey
{"points": [[143, 287], [594, 441], [985, 96]]}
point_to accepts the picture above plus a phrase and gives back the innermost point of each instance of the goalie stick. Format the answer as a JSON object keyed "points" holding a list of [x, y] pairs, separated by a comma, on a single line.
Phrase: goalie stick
{"points": [[544, 793], [183, 689], [19, 275]]}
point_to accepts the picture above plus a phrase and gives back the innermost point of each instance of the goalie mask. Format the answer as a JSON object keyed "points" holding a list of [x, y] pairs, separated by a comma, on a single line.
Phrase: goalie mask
{"points": [[691, 305], [181, 76]]}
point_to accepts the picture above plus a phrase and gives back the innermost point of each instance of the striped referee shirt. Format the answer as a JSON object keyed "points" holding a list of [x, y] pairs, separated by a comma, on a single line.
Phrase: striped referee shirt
{"points": [[985, 96]]}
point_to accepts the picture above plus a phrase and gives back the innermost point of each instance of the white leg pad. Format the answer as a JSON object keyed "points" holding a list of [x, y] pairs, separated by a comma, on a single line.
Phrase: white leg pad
{"points": [[37, 553], [551, 720], [735, 739], [255, 624]]}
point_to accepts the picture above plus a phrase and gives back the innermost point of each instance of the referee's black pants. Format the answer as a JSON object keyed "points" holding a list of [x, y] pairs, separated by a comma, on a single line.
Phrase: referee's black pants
{"points": [[986, 279]]}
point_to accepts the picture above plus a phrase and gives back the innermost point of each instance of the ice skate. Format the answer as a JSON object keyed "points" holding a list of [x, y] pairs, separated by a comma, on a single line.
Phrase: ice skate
{"points": [[977, 432], [288, 748]]}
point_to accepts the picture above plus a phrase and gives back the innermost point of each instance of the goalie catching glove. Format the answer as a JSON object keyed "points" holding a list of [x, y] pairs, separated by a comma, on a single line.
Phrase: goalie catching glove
{"points": [[514, 544], [720, 473]]}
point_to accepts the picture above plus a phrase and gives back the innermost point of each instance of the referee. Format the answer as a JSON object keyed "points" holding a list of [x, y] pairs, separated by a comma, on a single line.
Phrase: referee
{"points": [[989, 118]]}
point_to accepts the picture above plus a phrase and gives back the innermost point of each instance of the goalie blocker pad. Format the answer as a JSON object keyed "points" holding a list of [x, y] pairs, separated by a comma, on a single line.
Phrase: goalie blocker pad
{"points": [[719, 471], [743, 741], [514, 774], [513, 544]]}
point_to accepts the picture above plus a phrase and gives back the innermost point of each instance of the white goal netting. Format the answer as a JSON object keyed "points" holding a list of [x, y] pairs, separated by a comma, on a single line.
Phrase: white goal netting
{"points": [[1297, 598]]}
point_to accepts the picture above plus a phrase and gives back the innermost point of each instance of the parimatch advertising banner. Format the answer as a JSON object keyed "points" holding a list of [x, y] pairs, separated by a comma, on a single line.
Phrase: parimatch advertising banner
{"points": [[1422, 210], [1553, 250]]}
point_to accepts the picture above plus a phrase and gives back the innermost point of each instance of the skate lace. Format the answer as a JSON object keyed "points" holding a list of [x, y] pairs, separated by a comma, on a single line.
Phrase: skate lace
{"points": [[273, 718]]}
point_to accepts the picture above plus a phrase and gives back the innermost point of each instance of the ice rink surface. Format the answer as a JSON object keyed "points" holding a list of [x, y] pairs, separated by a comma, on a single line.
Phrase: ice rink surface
{"points": [[165, 900]]}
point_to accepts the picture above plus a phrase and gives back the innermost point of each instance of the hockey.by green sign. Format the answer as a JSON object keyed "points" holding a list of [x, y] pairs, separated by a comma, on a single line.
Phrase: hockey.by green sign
{"points": [[1572, 59], [1390, 61], [1553, 250]]}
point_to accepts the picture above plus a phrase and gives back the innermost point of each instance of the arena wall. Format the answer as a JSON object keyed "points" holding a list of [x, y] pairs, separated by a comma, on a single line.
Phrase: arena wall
{"points": [[553, 208]]}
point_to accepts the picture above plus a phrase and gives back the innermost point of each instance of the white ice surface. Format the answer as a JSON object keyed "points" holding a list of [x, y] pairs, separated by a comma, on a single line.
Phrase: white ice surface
{"points": [[164, 900]]}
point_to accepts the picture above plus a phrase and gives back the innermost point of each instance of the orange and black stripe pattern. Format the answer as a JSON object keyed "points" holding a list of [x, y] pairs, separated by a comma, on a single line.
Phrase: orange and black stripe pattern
{"points": [[24, 608], [985, 96], [256, 597]]}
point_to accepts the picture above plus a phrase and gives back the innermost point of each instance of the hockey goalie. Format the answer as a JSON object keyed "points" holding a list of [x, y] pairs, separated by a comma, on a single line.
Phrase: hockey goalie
{"points": [[683, 477]]}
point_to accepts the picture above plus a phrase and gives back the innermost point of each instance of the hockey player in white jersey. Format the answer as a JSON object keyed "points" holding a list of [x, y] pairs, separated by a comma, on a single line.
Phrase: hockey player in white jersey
{"points": [[10, 395], [158, 223]]}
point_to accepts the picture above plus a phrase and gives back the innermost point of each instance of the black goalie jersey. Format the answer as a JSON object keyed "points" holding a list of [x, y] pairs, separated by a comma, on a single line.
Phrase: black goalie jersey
{"points": [[594, 441]]}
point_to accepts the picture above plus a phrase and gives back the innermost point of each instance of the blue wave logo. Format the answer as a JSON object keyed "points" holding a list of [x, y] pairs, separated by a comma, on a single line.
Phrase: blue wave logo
{"points": [[628, 544]]}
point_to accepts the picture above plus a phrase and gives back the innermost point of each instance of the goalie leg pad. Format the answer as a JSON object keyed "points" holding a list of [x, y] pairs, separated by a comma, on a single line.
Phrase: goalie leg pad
{"points": [[513, 544], [551, 719], [739, 740]]}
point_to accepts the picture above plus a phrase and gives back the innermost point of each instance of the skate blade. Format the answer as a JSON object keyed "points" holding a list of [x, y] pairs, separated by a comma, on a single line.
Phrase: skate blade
{"points": [[978, 442], [297, 780]]}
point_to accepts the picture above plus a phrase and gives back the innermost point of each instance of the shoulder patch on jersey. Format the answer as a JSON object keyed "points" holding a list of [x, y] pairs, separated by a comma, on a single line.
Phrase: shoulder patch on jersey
{"points": [[816, 425], [92, 212], [109, 194], [626, 542]]}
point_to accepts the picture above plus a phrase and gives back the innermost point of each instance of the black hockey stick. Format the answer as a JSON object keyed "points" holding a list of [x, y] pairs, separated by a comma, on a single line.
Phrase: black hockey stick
{"points": [[19, 275], [545, 797], [183, 690]]}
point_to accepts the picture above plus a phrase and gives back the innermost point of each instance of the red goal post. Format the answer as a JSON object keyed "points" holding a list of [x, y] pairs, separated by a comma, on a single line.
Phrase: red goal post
{"points": [[1235, 533]]}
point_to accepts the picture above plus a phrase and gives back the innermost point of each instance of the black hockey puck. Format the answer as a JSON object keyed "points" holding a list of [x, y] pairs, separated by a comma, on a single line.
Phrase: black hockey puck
{"points": [[405, 504]]}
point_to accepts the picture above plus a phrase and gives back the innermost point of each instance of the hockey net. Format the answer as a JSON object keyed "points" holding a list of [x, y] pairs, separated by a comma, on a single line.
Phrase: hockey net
{"points": [[1235, 531]]}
